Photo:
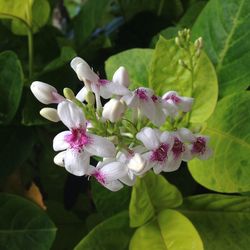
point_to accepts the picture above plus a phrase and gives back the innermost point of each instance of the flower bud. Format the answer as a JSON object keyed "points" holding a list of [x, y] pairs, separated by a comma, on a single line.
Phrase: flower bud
{"points": [[50, 114], [121, 77], [45, 93], [137, 163], [69, 94], [113, 110]]}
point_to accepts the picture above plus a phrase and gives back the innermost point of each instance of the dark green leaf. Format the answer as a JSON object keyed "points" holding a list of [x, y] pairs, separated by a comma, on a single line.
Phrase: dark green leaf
{"points": [[228, 169], [24, 225], [222, 221], [11, 85], [113, 233], [169, 230], [224, 26], [150, 195]]}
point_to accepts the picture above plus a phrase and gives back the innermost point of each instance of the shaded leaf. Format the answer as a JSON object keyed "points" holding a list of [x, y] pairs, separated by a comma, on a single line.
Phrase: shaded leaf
{"points": [[113, 233], [11, 85], [222, 221], [169, 230], [23, 225], [228, 169]]}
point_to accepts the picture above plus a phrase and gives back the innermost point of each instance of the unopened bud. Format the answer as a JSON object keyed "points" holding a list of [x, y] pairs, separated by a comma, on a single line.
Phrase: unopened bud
{"points": [[113, 110], [90, 98], [121, 77], [69, 94], [198, 53], [50, 114], [137, 163], [198, 43], [177, 41], [45, 93], [182, 63]]}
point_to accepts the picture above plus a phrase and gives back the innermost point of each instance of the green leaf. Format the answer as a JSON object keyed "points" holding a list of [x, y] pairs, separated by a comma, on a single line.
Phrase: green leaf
{"points": [[138, 72], [169, 230], [224, 26], [150, 195], [40, 15], [113, 233], [24, 225], [94, 14], [223, 221], [228, 169], [109, 203], [166, 74], [17, 147], [11, 85], [67, 54]]}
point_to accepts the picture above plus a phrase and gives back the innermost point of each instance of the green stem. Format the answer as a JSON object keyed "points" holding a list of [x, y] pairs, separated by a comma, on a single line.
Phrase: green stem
{"points": [[31, 52], [160, 7]]}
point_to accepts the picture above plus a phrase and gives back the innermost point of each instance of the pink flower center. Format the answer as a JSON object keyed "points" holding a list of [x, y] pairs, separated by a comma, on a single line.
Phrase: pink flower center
{"points": [[103, 82], [177, 148], [99, 177], [161, 153], [173, 98], [142, 94], [154, 98], [77, 139], [199, 146]]}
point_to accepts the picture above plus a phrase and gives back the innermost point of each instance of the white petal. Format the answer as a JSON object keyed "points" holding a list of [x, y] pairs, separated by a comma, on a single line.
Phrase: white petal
{"points": [[113, 171], [186, 135], [71, 115], [75, 61], [172, 165], [127, 180], [157, 168], [159, 117], [100, 146], [137, 164], [77, 163], [186, 104], [59, 159], [169, 93], [121, 77], [130, 99], [84, 72], [59, 142], [149, 138], [116, 89], [148, 109], [114, 186], [169, 108], [81, 95], [167, 138]]}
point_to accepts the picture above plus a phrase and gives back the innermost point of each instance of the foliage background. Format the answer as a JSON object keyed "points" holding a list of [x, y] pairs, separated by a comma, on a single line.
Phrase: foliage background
{"points": [[207, 204]]}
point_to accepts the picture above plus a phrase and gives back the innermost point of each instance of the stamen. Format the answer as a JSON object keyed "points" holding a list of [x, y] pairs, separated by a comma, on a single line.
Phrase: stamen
{"points": [[142, 94], [177, 148], [199, 146], [161, 153]]}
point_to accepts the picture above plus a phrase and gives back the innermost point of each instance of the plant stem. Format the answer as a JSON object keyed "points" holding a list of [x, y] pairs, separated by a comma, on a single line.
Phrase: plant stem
{"points": [[160, 7], [31, 52]]}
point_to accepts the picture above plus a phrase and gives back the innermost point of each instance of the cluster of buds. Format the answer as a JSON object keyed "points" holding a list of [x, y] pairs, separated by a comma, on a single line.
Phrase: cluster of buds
{"points": [[124, 134]]}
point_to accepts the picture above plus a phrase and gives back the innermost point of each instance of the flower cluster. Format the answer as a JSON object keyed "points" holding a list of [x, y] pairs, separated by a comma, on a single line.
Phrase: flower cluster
{"points": [[124, 134]]}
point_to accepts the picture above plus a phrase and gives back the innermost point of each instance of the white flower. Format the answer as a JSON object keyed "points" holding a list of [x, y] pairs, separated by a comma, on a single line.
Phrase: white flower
{"points": [[78, 143], [196, 145], [121, 77], [149, 104], [45, 93], [113, 110], [92, 81], [172, 103], [159, 145], [50, 114]]}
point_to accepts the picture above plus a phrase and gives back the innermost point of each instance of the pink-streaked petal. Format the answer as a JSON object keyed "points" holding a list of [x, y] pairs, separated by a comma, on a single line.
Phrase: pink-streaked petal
{"points": [[59, 142], [71, 115], [77, 163], [82, 94], [59, 159], [100, 146], [149, 138], [168, 94], [114, 186], [121, 77], [208, 152], [127, 180]]}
